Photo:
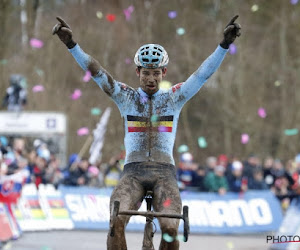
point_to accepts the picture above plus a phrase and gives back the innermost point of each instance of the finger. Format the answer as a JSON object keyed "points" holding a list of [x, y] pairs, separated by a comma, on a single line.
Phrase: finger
{"points": [[66, 30], [56, 28], [62, 21], [232, 20], [229, 29], [237, 25]]}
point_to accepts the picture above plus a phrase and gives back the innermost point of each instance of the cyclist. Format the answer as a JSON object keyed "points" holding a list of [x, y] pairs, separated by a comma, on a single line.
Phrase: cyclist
{"points": [[151, 116]]}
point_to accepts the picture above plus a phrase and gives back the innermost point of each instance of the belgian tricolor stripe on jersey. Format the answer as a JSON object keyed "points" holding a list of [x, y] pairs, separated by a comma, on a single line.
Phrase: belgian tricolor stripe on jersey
{"points": [[143, 124]]}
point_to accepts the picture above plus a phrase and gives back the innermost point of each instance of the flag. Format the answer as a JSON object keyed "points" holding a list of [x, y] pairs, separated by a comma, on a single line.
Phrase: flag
{"points": [[98, 133], [11, 186]]}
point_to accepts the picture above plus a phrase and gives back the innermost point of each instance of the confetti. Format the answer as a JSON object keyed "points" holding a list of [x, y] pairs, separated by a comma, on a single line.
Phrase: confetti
{"points": [[254, 8], [163, 129], [3, 61], [165, 85], [76, 94], [154, 118], [167, 203], [38, 88], [262, 112], [230, 245], [289, 132], [180, 31], [128, 60], [202, 142], [143, 99], [39, 72], [277, 83], [87, 76], [95, 111], [167, 237], [294, 2], [99, 14], [110, 17], [182, 148], [180, 238], [172, 14], [36, 43], [232, 49], [83, 131], [127, 12], [244, 138]]}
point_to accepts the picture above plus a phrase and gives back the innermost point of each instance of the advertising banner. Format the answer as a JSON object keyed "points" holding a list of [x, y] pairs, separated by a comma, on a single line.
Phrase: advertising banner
{"points": [[88, 208], [208, 212]]}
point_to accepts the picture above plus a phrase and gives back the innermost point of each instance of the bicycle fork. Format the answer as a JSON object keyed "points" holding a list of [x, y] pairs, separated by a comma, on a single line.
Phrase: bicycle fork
{"points": [[148, 230]]}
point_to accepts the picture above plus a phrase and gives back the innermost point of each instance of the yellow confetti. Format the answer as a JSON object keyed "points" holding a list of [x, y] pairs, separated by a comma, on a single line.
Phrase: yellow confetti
{"points": [[230, 245], [99, 14], [277, 83], [254, 8], [164, 85]]}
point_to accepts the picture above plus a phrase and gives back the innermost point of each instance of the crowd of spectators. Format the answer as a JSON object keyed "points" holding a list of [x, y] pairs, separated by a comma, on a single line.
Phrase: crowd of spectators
{"points": [[219, 174]]}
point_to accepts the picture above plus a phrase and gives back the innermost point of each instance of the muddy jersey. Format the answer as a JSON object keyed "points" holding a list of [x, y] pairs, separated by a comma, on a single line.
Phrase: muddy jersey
{"points": [[151, 121]]}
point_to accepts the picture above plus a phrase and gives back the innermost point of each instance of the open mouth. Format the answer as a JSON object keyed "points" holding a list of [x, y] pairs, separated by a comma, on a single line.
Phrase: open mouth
{"points": [[150, 86]]}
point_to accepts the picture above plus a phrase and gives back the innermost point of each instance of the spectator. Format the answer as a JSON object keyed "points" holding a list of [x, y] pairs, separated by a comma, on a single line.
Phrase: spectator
{"points": [[252, 163], [211, 163], [95, 177], [186, 173], [198, 180], [216, 181], [53, 173], [16, 94], [258, 182], [236, 181], [39, 171], [281, 175], [78, 175], [112, 173], [267, 171], [223, 160]]}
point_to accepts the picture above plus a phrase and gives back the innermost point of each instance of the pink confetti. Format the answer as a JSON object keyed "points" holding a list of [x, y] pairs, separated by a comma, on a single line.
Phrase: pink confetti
{"points": [[83, 131], [244, 138], [127, 12], [162, 129], [172, 14], [143, 99], [262, 112], [167, 203], [127, 60], [38, 88], [92, 198], [232, 49], [87, 76], [76, 94], [36, 43]]}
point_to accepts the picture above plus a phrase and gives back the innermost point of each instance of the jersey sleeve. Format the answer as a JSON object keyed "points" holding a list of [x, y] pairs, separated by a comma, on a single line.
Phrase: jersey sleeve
{"points": [[182, 92], [113, 88]]}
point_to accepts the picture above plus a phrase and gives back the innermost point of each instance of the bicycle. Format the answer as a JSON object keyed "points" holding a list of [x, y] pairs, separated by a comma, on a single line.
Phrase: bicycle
{"points": [[150, 215]]}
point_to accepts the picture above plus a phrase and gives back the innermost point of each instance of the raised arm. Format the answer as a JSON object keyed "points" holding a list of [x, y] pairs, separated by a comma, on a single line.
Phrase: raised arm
{"points": [[87, 62], [184, 91]]}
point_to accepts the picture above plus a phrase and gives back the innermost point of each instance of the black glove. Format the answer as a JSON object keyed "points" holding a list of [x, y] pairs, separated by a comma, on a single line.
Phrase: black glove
{"points": [[64, 32], [232, 30]]}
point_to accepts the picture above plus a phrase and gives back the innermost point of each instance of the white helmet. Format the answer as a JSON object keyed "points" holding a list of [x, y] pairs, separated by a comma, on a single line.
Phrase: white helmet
{"points": [[151, 56]]}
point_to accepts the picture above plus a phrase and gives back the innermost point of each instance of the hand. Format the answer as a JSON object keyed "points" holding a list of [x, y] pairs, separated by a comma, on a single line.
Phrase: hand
{"points": [[64, 32], [232, 30]]}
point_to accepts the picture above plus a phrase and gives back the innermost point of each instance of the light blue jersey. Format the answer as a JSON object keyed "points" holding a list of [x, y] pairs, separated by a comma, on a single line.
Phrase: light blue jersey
{"points": [[151, 121]]}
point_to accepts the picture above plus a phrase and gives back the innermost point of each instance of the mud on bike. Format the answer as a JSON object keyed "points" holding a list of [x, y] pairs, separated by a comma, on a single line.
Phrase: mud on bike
{"points": [[150, 215]]}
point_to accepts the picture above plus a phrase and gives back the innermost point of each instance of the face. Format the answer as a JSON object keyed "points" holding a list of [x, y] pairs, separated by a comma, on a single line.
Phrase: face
{"points": [[150, 79]]}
